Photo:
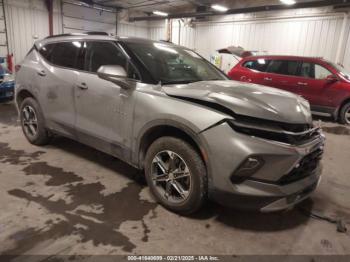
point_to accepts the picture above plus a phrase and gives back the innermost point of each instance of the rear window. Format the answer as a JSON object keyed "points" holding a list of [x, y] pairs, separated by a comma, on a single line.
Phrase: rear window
{"points": [[283, 67], [63, 54], [257, 65]]}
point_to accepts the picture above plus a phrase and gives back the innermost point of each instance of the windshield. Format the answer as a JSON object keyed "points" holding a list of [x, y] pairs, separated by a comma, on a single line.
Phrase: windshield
{"points": [[342, 71], [171, 64]]}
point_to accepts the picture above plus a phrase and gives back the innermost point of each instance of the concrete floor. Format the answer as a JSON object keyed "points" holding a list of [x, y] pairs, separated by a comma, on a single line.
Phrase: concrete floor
{"points": [[66, 198]]}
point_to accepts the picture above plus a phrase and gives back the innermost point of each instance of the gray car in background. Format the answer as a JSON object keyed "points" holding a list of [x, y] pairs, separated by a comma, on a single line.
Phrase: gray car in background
{"points": [[165, 110]]}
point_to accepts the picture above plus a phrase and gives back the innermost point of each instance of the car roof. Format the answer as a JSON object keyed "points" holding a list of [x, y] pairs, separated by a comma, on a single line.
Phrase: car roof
{"points": [[291, 57], [98, 36]]}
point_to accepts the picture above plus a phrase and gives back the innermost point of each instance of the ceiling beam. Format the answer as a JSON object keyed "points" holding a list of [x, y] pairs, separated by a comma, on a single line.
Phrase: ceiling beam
{"points": [[318, 3]]}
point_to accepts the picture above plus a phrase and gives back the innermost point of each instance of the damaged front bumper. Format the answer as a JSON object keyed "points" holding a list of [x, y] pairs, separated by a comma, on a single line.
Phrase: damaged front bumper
{"points": [[288, 174]]}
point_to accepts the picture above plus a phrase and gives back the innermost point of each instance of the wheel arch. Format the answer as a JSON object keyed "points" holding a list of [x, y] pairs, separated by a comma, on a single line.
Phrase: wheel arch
{"points": [[168, 128], [23, 94]]}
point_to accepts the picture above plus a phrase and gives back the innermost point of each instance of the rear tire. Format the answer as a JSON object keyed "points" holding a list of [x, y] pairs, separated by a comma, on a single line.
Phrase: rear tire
{"points": [[33, 122], [176, 175], [344, 114]]}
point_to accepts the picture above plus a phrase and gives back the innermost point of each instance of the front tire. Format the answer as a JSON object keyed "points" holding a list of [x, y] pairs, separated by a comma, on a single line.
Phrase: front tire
{"points": [[344, 114], [176, 175], [33, 123]]}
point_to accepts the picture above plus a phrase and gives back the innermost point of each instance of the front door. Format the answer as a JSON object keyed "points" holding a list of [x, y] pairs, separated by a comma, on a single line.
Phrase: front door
{"points": [[313, 85], [100, 103]]}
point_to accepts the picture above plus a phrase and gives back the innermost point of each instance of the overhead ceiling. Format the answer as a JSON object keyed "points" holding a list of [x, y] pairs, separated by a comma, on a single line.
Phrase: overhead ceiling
{"points": [[148, 6]]}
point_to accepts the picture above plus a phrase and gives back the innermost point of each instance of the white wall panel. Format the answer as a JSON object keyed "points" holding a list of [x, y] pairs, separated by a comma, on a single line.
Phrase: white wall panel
{"points": [[136, 29], [26, 21], [156, 32], [183, 34], [346, 60], [315, 36]]}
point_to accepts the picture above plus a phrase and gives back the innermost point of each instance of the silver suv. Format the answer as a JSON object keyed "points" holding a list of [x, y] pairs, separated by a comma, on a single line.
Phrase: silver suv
{"points": [[164, 109]]}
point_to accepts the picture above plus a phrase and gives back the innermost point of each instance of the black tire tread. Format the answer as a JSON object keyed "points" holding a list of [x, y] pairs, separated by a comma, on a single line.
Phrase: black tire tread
{"points": [[43, 137], [342, 112], [195, 162]]}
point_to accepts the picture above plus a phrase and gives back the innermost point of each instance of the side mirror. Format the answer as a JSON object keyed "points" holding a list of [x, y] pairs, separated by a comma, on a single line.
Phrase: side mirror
{"points": [[331, 79], [115, 74]]}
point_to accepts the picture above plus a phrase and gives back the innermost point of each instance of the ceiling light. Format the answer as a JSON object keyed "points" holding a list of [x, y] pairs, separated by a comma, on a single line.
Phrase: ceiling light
{"points": [[160, 13], [288, 2], [219, 8]]}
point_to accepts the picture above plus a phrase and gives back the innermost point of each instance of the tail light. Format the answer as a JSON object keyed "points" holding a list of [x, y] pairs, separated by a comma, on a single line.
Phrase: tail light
{"points": [[17, 68]]}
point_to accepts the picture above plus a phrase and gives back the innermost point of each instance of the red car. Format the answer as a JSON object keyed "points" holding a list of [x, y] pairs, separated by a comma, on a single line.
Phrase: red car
{"points": [[324, 84]]}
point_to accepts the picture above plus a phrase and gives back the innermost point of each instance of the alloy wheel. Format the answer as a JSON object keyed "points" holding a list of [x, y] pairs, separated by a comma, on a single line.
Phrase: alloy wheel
{"points": [[171, 177], [30, 121], [347, 116]]}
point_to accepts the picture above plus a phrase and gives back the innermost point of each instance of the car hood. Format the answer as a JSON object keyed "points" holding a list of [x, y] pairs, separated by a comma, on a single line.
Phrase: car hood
{"points": [[247, 99]]}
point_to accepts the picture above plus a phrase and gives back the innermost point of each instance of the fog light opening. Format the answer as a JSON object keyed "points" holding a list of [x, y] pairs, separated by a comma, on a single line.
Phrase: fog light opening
{"points": [[248, 167]]}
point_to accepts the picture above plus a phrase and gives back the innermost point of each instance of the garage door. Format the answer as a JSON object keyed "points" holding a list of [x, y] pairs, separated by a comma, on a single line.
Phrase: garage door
{"points": [[80, 18]]}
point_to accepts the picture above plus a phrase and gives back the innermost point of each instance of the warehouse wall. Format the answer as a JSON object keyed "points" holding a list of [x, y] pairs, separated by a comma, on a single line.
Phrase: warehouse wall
{"points": [[156, 30], [309, 32], [305, 32], [138, 29], [298, 32], [27, 21], [346, 59]]}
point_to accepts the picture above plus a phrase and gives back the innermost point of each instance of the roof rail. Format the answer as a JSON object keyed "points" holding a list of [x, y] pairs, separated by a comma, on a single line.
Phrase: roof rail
{"points": [[78, 34]]}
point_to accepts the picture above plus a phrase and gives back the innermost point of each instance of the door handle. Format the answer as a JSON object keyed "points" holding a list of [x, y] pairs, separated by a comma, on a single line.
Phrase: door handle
{"points": [[42, 73], [82, 86], [302, 83], [267, 78]]}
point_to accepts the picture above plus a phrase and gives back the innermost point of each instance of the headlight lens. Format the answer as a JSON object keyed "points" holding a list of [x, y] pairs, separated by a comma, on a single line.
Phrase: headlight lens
{"points": [[270, 130]]}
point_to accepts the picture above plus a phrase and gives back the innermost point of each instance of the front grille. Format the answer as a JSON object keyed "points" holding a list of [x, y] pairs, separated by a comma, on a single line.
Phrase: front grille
{"points": [[305, 168]]}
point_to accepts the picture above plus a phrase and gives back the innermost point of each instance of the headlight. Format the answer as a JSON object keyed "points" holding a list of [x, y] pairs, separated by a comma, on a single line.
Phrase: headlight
{"points": [[8, 78], [270, 130]]}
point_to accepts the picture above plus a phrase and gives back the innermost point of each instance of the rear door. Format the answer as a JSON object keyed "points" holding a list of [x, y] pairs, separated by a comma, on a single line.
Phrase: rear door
{"points": [[57, 75], [282, 74], [313, 85]]}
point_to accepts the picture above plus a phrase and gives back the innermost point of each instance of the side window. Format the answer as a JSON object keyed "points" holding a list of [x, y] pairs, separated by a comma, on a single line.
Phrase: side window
{"points": [[103, 53], [321, 72], [249, 64], [46, 51], [257, 65], [315, 71], [283, 67], [65, 54]]}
